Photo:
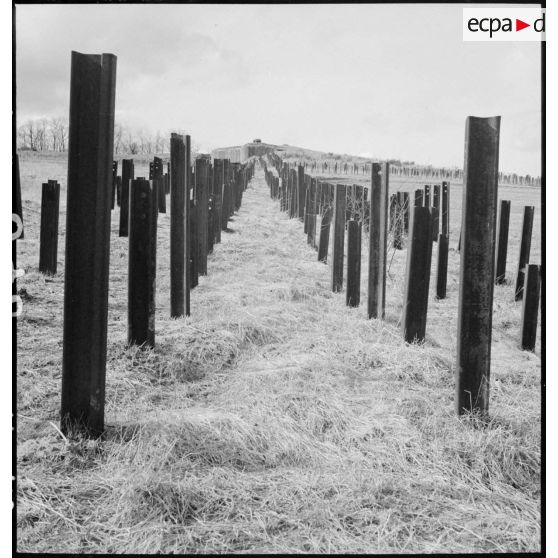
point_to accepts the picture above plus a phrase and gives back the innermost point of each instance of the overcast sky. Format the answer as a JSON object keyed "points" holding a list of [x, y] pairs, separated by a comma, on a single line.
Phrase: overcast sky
{"points": [[387, 80]]}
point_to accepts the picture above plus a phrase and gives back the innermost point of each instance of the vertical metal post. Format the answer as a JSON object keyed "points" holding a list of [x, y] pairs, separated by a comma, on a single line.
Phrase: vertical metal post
{"points": [[193, 233], [323, 245], [476, 285], [417, 276], [442, 267], [218, 195], [306, 208], [353, 263], [530, 308], [525, 249], [436, 212], [338, 246], [177, 225], [379, 195], [225, 213], [399, 222], [419, 197], [406, 209], [48, 249], [127, 177], [187, 235], [114, 191], [202, 191], [445, 208], [293, 194], [158, 179], [142, 258], [502, 246], [90, 151], [427, 195]]}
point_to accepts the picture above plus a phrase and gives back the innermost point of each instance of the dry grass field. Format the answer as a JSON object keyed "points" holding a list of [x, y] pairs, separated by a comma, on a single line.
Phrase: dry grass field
{"points": [[274, 418]]}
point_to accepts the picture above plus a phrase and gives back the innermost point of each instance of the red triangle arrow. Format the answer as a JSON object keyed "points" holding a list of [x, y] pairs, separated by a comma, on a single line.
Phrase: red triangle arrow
{"points": [[519, 25]]}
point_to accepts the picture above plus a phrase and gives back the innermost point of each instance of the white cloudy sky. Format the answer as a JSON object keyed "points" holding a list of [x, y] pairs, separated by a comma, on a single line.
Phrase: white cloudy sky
{"points": [[384, 80]]}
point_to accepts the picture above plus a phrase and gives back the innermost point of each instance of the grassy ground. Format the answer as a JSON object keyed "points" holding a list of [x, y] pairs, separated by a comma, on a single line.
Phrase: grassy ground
{"points": [[274, 419]]}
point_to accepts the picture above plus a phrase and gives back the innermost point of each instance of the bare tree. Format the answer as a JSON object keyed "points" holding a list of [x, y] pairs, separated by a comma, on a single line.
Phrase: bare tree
{"points": [[118, 137], [58, 133], [64, 134], [130, 144], [22, 138], [29, 133], [159, 143], [146, 141], [41, 134], [53, 134]]}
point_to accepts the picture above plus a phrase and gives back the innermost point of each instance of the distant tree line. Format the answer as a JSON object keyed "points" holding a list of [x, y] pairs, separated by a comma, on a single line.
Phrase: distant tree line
{"points": [[51, 134], [43, 134], [347, 164]]}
